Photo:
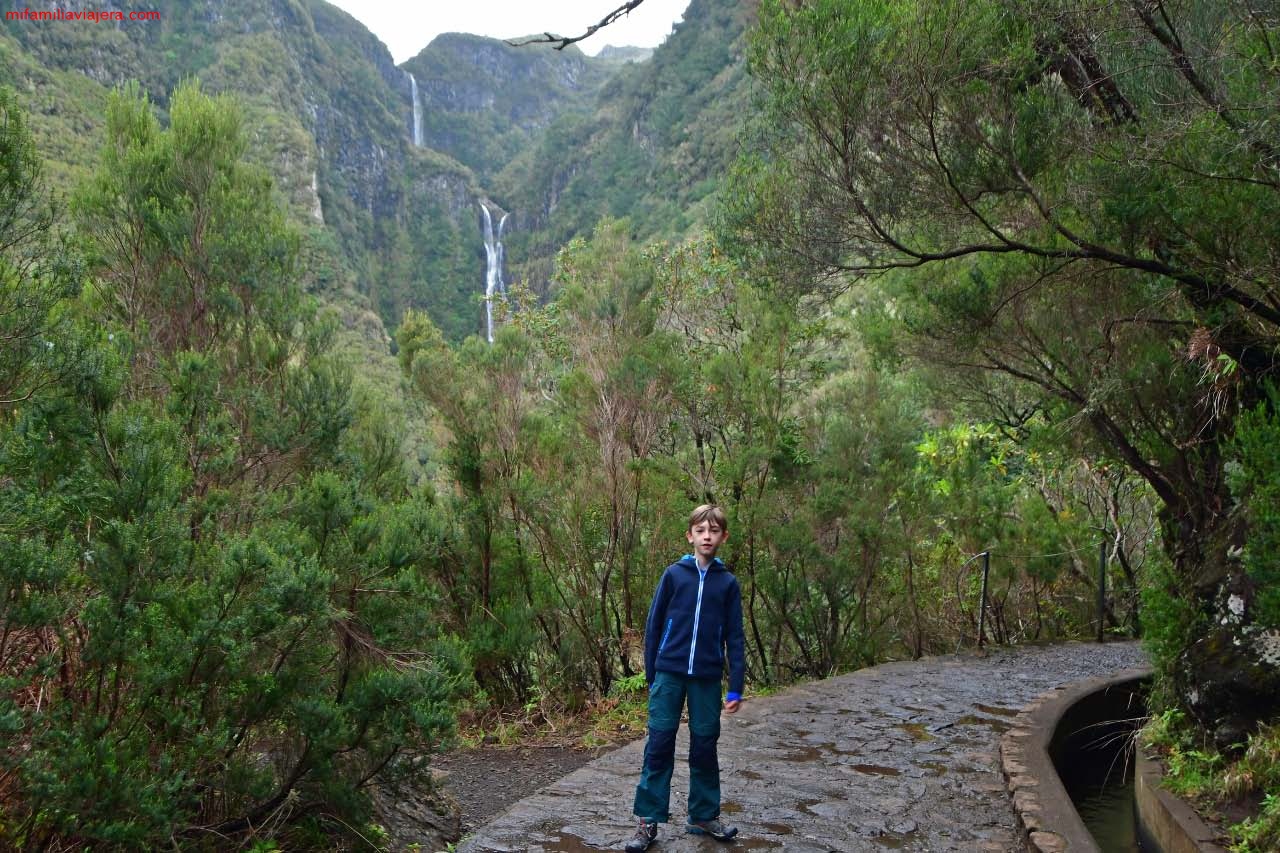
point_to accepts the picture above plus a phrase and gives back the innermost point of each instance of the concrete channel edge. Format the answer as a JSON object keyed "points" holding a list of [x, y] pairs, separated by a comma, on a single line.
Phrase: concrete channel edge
{"points": [[1171, 825], [1049, 821]]}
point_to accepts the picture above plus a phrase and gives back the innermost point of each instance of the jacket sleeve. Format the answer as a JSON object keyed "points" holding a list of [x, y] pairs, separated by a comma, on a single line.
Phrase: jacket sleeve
{"points": [[653, 626], [734, 640]]}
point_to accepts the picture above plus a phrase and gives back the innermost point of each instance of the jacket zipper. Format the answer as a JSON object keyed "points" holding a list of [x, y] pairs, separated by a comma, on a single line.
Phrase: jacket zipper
{"points": [[697, 612], [665, 634]]}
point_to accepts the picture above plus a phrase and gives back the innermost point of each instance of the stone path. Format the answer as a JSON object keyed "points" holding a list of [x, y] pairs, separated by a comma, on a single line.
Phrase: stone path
{"points": [[900, 756]]}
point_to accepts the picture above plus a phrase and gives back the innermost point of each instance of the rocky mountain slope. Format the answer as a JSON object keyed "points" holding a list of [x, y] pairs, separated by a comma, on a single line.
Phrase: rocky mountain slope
{"points": [[556, 137]]}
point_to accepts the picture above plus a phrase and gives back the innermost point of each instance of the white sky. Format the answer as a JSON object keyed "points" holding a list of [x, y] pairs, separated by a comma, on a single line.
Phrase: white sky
{"points": [[406, 26]]}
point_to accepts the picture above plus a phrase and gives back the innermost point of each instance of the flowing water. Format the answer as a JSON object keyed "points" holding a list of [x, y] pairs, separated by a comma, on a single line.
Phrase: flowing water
{"points": [[493, 253], [1108, 811], [417, 112]]}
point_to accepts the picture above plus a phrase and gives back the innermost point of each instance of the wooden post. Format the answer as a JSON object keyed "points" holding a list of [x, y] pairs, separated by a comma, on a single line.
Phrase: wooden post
{"points": [[1102, 588], [982, 608]]}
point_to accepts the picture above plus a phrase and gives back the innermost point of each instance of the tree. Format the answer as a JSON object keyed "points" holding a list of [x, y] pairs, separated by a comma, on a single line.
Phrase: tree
{"points": [[1083, 199], [749, 358], [486, 398], [198, 556], [618, 392], [35, 274]]}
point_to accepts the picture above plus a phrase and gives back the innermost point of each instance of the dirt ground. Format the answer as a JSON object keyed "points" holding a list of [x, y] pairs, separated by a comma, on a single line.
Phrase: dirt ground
{"points": [[486, 780]]}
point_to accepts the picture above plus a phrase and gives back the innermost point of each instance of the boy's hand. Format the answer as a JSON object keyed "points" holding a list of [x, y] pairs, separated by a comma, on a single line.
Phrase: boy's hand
{"points": [[731, 705]]}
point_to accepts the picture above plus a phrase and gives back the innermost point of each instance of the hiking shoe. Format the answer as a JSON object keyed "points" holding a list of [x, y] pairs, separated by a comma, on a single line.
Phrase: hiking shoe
{"points": [[646, 832], [713, 827]]}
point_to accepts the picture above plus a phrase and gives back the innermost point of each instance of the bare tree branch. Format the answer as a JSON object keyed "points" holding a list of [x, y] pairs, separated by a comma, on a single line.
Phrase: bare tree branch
{"points": [[561, 42]]}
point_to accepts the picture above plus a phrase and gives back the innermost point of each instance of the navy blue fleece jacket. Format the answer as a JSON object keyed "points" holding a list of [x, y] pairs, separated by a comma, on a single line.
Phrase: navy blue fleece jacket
{"points": [[694, 622]]}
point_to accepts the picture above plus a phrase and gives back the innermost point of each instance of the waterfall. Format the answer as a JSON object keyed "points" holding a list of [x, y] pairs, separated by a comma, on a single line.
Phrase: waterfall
{"points": [[493, 254], [417, 112]]}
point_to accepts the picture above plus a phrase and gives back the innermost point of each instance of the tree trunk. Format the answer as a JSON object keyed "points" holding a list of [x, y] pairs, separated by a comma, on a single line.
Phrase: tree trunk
{"points": [[1228, 675], [751, 607]]}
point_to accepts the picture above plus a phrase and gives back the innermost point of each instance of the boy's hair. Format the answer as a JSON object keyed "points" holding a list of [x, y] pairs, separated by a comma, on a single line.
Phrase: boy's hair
{"points": [[711, 513]]}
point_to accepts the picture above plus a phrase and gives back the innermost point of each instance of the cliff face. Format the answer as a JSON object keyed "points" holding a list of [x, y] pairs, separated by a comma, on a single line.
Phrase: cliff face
{"points": [[484, 101], [326, 111], [357, 107], [655, 149], [287, 65]]}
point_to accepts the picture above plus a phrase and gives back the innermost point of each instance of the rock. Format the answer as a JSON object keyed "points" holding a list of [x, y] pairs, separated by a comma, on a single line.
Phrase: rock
{"points": [[1230, 677], [1048, 842], [411, 816]]}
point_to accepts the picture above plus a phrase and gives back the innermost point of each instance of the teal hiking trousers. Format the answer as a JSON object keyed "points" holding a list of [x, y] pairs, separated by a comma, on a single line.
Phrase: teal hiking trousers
{"points": [[667, 697]]}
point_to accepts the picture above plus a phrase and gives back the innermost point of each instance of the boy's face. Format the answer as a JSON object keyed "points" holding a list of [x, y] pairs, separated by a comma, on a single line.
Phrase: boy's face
{"points": [[706, 537]]}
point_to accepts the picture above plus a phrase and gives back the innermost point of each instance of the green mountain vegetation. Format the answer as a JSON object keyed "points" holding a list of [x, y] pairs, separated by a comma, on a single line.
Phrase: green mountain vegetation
{"points": [[1074, 210], [654, 151], [484, 101], [332, 119], [198, 505], [896, 284]]}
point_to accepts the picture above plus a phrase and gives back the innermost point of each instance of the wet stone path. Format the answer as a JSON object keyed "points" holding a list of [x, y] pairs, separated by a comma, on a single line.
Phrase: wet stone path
{"points": [[902, 756]]}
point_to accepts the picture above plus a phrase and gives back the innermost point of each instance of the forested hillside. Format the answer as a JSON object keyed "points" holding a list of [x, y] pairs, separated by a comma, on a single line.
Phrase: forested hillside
{"points": [[484, 101], [911, 290], [654, 151], [528, 130], [330, 117]]}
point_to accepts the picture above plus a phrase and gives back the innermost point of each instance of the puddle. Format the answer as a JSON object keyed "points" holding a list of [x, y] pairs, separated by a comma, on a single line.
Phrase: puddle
{"points": [[895, 842], [750, 774], [752, 844], [918, 731], [804, 754], [876, 770], [1000, 712], [565, 843], [776, 828], [975, 720], [730, 807]]}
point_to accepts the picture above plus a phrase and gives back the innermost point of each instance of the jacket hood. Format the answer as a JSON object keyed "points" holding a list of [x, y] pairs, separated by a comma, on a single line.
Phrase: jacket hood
{"points": [[691, 562]]}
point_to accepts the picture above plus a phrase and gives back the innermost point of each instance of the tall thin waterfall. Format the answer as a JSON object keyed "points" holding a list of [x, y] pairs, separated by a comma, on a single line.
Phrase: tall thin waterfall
{"points": [[417, 112], [493, 254]]}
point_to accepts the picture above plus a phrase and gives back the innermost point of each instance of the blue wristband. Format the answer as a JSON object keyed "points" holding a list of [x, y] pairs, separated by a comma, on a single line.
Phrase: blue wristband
{"points": [[733, 697]]}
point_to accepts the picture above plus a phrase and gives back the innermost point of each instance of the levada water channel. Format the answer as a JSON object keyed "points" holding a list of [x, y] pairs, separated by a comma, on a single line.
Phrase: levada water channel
{"points": [[1093, 751]]}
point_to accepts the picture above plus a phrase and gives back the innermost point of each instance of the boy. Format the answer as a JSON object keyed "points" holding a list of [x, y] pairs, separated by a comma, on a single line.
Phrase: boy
{"points": [[696, 616]]}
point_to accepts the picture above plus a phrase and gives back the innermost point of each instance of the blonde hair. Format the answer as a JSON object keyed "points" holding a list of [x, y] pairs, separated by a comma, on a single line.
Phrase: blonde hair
{"points": [[711, 513]]}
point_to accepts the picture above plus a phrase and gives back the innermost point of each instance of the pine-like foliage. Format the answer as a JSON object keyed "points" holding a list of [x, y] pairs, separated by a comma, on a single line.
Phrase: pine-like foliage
{"points": [[209, 574]]}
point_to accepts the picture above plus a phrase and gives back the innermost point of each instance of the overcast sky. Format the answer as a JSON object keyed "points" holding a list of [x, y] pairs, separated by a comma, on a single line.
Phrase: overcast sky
{"points": [[406, 26]]}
